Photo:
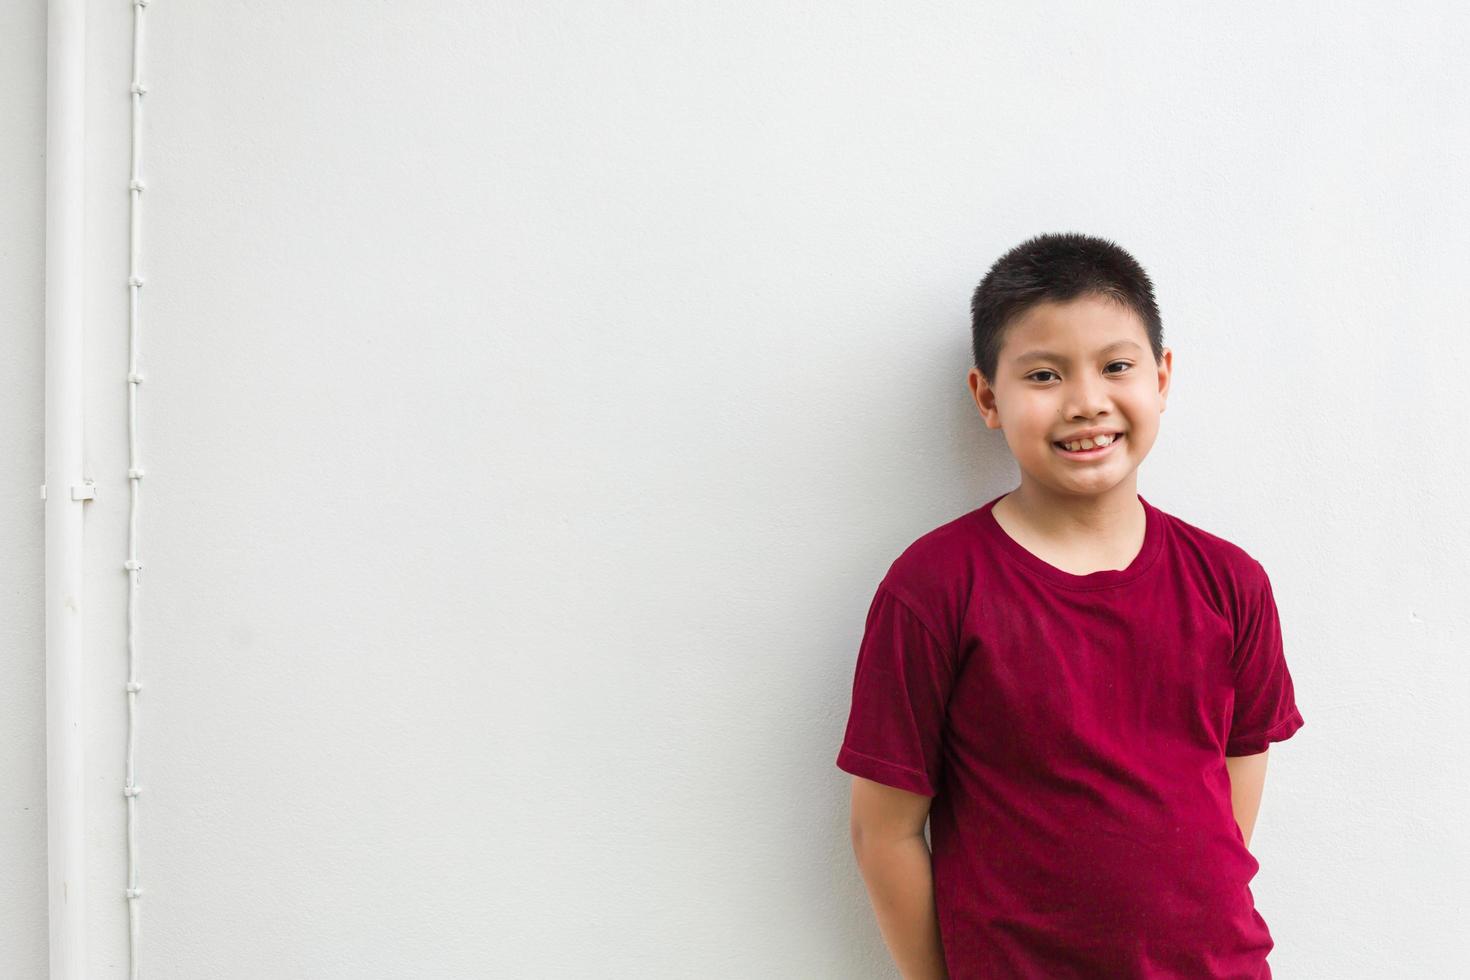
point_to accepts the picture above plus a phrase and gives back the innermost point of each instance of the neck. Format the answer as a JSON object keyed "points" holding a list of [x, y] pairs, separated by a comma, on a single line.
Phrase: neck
{"points": [[1053, 512]]}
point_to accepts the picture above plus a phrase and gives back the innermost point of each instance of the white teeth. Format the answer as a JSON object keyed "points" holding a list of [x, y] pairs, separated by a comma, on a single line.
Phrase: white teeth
{"points": [[1088, 443]]}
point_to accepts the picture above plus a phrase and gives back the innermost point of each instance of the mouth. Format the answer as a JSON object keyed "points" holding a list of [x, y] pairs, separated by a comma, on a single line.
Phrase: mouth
{"points": [[1096, 452]]}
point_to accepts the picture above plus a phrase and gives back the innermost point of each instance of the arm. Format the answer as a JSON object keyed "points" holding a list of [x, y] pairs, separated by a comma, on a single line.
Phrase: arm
{"points": [[888, 841], [1247, 779]]}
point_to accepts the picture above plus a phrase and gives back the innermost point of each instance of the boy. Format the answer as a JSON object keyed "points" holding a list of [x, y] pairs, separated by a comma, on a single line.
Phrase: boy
{"points": [[1076, 689]]}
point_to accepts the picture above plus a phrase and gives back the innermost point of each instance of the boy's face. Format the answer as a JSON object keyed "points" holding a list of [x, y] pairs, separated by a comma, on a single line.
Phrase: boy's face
{"points": [[1099, 374]]}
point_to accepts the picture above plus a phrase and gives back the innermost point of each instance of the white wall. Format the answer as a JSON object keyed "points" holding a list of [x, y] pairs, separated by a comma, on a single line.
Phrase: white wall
{"points": [[536, 394], [22, 622]]}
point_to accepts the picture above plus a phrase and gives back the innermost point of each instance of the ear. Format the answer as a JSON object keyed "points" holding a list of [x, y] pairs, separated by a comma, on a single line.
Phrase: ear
{"points": [[984, 397], [1166, 376]]}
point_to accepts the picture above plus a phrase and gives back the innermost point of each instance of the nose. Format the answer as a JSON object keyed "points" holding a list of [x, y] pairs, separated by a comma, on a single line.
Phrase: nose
{"points": [[1086, 398]]}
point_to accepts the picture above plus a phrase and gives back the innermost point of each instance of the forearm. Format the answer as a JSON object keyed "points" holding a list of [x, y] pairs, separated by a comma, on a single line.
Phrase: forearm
{"points": [[1247, 781], [900, 882]]}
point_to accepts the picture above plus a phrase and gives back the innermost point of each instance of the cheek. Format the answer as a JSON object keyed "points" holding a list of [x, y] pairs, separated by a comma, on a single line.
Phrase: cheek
{"points": [[1143, 436]]}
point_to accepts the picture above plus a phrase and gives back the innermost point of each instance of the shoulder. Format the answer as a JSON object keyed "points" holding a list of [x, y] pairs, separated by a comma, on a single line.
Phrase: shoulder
{"points": [[1227, 564], [934, 574]]}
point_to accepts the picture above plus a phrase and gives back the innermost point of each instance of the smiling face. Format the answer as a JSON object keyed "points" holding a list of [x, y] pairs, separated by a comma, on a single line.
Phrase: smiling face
{"points": [[1066, 370]]}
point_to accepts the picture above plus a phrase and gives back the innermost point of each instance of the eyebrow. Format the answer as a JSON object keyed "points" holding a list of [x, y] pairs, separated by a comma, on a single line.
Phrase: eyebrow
{"points": [[1046, 355]]}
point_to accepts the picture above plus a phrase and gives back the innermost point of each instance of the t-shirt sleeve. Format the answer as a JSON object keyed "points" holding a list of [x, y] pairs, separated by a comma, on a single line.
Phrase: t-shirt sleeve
{"points": [[899, 693], [1265, 702]]}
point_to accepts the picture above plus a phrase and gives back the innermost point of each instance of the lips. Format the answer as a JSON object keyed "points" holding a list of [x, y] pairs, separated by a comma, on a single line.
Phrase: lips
{"points": [[1093, 453]]}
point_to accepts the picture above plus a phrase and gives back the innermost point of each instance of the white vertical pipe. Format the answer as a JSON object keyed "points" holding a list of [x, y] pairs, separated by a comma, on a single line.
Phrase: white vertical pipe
{"points": [[66, 865]]}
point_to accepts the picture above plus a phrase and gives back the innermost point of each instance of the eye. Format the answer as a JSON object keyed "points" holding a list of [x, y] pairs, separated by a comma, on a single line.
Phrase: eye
{"points": [[1033, 375]]}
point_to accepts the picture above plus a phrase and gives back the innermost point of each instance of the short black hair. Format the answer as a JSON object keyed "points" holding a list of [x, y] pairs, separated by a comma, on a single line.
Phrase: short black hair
{"points": [[1058, 267]]}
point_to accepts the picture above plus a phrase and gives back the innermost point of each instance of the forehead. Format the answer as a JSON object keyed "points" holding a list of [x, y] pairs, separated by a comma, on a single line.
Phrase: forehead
{"points": [[1082, 327]]}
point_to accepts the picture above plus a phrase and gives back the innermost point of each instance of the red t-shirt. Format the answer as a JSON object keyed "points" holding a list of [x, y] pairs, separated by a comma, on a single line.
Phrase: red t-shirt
{"points": [[1073, 730]]}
